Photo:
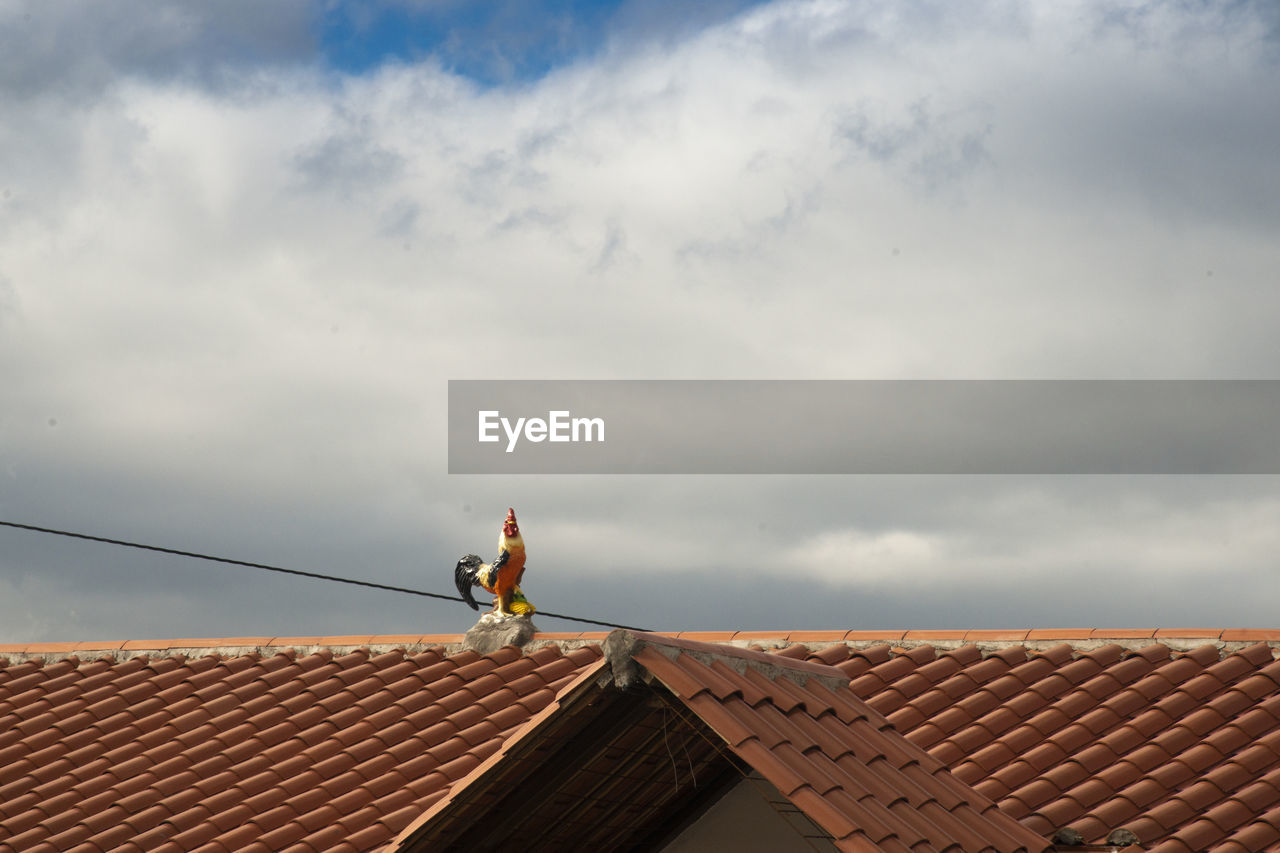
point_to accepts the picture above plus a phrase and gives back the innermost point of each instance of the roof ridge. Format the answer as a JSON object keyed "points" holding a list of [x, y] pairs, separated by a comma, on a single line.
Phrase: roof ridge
{"points": [[1178, 639], [794, 635], [621, 647]]}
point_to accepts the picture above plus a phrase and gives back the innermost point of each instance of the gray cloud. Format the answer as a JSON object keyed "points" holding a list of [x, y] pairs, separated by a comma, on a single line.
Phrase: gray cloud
{"points": [[668, 553], [347, 162], [240, 304], [8, 301], [68, 50], [933, 151]]}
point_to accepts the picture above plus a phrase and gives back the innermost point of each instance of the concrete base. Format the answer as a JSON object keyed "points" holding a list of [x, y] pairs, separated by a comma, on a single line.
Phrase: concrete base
{"points": [[493, 632]]}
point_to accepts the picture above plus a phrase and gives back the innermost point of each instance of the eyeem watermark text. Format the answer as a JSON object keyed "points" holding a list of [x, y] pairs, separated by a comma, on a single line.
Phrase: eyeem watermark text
{"points": [[558, 426], [939, 427]]}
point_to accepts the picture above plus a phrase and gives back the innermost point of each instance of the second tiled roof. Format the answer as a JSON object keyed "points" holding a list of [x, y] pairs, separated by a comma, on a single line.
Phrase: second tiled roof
{"points": [[837, 759], [253, 753]]}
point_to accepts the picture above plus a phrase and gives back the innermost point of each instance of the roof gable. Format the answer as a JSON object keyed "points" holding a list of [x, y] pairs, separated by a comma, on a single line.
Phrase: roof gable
{"points": [[592, 771]]}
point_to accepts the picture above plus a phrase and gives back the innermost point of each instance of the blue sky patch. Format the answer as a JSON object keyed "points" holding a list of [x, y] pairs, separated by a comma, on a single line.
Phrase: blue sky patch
{"points": [[501, 41]]}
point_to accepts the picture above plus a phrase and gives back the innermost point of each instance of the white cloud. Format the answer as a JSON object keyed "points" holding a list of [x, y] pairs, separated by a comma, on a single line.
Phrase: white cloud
{"points": [[1126, 542], [851, 557]]}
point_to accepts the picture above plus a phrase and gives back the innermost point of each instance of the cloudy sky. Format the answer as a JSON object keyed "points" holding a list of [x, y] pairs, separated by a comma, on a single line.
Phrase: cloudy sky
{"points": [[243, 248]]}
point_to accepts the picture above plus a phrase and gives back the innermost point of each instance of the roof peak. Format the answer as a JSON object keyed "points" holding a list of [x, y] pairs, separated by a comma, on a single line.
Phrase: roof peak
{"points": [[728, 712], [622, 646]]}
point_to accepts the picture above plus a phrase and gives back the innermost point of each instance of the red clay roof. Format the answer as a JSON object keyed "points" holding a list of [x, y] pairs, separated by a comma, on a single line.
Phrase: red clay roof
{"points": [[1174, 734], [792, 721], [251, 752], [833, 756], [1181, 748]]}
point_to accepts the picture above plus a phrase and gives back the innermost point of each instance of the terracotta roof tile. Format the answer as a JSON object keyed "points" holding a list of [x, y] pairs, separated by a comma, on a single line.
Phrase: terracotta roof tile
{"points": [[874, 636], [1003, 636], [707, 636], [1122, 633], [933, 635], [1043, 634], [1249, 635], [1179, 742], [1199, 633], [140, 735], [816, 636]]}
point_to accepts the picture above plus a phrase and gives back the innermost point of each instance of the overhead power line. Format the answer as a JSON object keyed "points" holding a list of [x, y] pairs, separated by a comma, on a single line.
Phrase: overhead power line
{"points": [[268, 568]]}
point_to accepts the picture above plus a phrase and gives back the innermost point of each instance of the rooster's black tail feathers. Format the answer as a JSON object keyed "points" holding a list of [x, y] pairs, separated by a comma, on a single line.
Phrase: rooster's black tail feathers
{"points": [[466, 575]]}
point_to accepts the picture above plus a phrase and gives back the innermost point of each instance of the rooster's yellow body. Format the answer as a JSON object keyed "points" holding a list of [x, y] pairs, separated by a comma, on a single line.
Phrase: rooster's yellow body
{"points": [[501, 577]]}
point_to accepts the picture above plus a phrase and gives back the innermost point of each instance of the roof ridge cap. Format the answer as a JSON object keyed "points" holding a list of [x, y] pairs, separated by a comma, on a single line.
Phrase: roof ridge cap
{"points": [[224, 647], [621, 647]]}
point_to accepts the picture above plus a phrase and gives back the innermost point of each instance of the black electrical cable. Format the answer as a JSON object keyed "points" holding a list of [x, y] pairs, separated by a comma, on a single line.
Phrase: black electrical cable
{"points": [[298, 572]]}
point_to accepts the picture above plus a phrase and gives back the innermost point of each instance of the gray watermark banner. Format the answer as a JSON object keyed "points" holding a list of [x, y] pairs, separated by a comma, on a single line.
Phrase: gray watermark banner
{"points": [[864, 427]]}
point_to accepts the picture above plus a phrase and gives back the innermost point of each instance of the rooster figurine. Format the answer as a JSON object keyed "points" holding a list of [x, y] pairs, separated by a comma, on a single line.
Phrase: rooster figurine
{"points": [[501, 577]]}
